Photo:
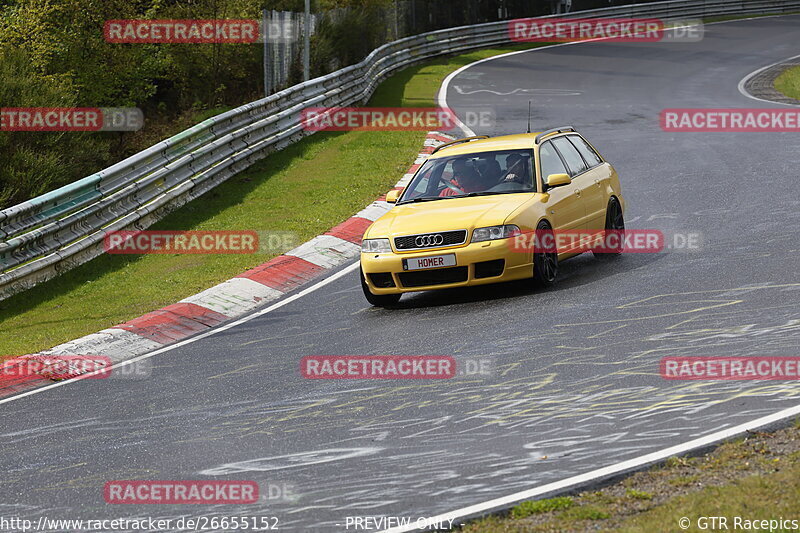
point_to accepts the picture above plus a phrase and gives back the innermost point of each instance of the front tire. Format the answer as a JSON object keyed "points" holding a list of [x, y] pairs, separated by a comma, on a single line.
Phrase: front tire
{"points": [[545, 259], [615, 222], [378, 300]]}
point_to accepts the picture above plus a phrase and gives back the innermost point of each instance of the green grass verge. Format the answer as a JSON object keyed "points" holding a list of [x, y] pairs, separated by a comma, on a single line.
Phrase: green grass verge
{"points": [[723, 18], [789, 82], [541, 506], [753, 498], [305, 189], [755, 478]]}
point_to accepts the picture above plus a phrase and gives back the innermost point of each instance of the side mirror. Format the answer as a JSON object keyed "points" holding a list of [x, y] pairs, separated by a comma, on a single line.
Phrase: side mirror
{"points": [[394, 194], [555, 180]]}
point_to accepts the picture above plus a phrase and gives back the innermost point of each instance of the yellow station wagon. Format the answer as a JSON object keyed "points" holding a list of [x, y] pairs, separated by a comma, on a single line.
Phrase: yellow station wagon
{"points": [[453, 224]]}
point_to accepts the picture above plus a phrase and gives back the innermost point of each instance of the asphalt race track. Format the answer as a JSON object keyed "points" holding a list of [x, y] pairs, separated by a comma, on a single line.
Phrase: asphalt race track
{"points": [[573, 381]]}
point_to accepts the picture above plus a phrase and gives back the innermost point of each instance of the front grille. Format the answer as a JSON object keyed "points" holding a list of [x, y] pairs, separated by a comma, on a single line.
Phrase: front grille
{"points": [[431, 240], [489, 269], [382, 280], [439, 276]]}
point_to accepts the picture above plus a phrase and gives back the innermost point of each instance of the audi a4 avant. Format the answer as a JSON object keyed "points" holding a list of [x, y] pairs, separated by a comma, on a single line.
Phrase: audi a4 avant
{"points": [[460, 220]]}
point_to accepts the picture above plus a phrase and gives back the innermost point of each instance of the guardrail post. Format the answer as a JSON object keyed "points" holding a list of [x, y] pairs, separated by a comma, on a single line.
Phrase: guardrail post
{"points": [[307, 42]]}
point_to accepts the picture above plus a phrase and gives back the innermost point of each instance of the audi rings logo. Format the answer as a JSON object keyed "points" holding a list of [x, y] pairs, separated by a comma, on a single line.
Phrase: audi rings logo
{"points": [[434, 239]]}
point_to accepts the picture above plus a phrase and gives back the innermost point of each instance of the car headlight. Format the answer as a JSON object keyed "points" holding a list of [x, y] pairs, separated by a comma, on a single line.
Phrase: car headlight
{"points": [[375, 246], [492, 233]]}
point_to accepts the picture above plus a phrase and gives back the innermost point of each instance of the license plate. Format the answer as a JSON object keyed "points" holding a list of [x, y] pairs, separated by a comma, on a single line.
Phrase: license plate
{"points": [[434, 261]]}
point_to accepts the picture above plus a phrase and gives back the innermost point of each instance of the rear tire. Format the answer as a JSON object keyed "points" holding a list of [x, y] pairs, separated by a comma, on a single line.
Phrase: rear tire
{"points": [[378, 300], [615, 221], [545, 261]]}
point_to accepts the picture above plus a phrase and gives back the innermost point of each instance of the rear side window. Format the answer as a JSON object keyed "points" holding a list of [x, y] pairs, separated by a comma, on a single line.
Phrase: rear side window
{"points": [[550, 161], [588, 153], [570, 154]]}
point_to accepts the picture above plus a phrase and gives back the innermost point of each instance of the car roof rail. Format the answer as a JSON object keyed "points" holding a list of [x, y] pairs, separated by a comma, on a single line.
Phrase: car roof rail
{"points": [[457, 141], [553, 131]]}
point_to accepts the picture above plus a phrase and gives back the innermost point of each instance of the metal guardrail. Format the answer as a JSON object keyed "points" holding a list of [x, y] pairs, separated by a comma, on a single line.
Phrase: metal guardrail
{"points": [[54, 232]]}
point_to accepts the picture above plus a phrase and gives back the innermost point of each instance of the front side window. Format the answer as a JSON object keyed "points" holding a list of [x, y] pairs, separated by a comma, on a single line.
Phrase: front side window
{"points": [[478, 174], [550, 161]]}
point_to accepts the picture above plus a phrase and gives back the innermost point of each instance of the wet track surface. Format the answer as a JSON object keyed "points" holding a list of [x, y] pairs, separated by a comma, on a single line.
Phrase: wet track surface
{"points": [[573, 373]]}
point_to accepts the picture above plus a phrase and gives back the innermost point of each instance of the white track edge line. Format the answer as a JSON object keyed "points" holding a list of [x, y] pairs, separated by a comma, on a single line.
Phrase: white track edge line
{"points": [[756, 72], [441, 97], [190, 340], [607, 471]]}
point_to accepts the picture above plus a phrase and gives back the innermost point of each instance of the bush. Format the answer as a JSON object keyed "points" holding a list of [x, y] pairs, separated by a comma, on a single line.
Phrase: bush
{"points": [[32, 163]]}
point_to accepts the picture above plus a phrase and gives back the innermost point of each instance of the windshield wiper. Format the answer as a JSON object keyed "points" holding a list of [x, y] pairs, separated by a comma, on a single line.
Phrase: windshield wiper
{"points": [[485, 193], [427, 199]]}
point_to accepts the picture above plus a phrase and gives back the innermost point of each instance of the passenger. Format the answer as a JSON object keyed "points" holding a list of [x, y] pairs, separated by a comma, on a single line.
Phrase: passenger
{"points": [[490, 170]]}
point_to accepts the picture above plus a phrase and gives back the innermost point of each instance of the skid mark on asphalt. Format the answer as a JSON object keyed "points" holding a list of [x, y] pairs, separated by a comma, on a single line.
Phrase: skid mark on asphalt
{"points": [[558, 397], [538, 92], [293, 460], [604, 421]]}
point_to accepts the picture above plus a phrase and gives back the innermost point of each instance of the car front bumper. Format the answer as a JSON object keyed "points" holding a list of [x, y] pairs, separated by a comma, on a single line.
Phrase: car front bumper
{"points": [[476, 264]]}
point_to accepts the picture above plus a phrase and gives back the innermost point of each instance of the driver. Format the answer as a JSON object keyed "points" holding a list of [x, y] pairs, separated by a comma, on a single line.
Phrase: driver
{"points": [[465, 180]]}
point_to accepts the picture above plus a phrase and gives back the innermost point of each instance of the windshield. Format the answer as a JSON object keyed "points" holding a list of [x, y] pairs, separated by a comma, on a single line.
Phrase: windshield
{"points": [[502, 172]]}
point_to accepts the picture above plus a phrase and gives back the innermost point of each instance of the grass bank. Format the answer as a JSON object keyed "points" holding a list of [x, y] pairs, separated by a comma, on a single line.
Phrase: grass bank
{"points": [[788, 82]]}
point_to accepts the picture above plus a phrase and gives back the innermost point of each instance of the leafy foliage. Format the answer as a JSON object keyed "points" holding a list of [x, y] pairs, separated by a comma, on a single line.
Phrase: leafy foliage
{"points": [[53, 53], [33, 163]]}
